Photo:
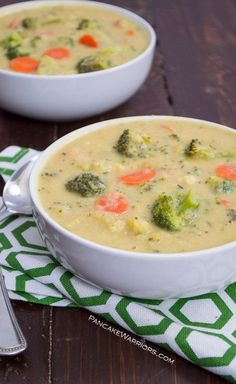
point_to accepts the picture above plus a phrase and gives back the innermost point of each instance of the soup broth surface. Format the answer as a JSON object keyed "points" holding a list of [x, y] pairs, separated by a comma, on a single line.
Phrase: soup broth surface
{"points": [[168, 170], [57, 39]]}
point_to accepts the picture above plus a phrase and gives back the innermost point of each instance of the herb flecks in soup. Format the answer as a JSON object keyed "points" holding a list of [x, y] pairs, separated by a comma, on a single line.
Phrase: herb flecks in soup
{"points": [[146, 186], [68, 39]]}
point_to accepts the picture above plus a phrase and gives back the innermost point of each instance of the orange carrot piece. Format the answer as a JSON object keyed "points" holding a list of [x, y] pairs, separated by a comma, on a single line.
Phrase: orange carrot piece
{"points": [[226, 203], [15, 23], [57, 53], [114, 203], [168, 129], [24, 64], [138, 177], [46, 33], [88, 40], [130, 32], [118, 23], [227, 171]]}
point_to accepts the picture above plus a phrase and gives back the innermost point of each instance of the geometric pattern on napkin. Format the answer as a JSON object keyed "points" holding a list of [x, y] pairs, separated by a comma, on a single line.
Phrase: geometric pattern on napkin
{"points": [[201, 329]]}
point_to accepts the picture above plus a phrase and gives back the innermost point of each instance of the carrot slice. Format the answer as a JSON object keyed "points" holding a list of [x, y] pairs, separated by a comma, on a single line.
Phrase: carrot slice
{"points": [[24, 64], [46, 33], [88, 40], [226, 203], [57, 53], [118, 23], [138, 177], [113, 202], [15, 23], [227, 171], [130, 32], [168, 129]]}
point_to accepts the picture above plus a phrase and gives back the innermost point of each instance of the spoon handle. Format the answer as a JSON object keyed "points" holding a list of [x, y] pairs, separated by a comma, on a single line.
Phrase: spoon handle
{"points": [[12, 340], [4, 213]]}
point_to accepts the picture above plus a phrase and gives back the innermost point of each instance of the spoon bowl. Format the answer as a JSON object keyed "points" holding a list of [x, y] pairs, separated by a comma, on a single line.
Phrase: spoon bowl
{"points": [[16, 196]]}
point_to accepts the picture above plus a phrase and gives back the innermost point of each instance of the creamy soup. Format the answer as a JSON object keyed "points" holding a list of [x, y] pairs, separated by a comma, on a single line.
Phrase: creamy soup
{"points": [[60, 40], [146, 186]]}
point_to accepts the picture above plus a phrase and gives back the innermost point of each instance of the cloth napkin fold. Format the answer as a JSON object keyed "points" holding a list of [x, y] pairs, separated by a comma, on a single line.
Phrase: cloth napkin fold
{"points": [[201, 329]]}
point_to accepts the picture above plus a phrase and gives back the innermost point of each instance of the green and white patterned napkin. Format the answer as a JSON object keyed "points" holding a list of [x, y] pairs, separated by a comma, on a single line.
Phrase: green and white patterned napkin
{"points": [[201, 329]]}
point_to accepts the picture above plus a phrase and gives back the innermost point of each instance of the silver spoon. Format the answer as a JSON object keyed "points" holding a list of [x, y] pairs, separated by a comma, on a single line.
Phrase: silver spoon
{"points": [[12, 340], [16, 198]]}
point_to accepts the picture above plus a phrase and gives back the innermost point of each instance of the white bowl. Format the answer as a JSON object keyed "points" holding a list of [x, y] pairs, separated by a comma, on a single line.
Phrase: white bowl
{"points": [[69, 97], [143, 275]]}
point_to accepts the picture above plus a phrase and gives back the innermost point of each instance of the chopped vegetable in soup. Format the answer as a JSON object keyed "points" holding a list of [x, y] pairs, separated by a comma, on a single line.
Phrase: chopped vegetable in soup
{"points": [[146, 186], [61, 40]]}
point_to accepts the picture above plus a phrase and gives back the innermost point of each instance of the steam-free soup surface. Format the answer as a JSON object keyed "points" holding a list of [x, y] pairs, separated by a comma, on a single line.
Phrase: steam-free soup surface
{"points": [[122, 214], [68, 39]]}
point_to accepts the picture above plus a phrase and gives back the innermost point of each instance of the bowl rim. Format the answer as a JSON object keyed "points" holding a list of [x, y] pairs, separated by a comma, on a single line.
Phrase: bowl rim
{"points": [[17, 7], [59, 143]]}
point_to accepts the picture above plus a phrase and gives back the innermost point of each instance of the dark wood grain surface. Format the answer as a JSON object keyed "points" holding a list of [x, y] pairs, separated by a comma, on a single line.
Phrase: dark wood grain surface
{"points": [[193, 75]]}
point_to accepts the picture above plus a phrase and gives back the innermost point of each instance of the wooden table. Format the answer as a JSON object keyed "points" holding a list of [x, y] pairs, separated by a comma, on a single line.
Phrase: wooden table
{"points": [[193, 75]]}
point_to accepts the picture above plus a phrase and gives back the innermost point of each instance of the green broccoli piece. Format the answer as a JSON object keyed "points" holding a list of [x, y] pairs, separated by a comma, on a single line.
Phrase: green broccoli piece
{"points": [[14, 52], [231, 213], [219, 185], [12, 45], [11, 41], [86, 184], [185, 202], [174, 212], [199, 150], [93, 63], [87, 24], [29, 22], [133, 144]]}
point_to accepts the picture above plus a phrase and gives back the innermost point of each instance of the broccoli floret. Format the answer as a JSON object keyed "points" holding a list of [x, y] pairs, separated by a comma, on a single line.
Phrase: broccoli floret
{"points": [[86, 184], [99, 61], [231, 213], [87, 24], [219, 185], [199, 150], [185, 202], [14, 52], [164, 213], [11, 41], [174, 212], [93, 63], [133, 144], [13, 46], [29, 22]]}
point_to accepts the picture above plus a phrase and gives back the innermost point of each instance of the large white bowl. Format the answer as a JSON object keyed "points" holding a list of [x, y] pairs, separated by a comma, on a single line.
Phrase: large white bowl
{"points": [[61, 98], [144, 275]]}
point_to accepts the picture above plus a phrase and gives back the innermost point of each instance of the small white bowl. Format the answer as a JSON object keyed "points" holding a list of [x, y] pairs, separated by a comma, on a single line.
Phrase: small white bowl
{"points": [[69, 97], [143, 275]]}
